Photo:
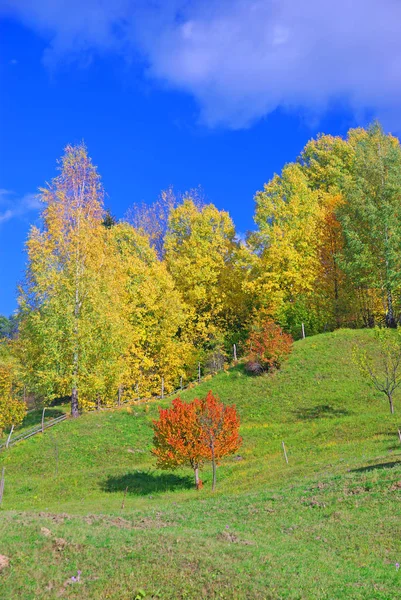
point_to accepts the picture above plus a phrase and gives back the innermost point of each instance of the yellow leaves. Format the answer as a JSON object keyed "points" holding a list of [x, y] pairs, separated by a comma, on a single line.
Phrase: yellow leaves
{"points": [[155, 312], [200, 254], [289, 215], [12, 407]]}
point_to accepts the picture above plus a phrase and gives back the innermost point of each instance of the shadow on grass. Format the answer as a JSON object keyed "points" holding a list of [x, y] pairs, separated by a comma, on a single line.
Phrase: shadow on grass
{"points": [[143, 483], [386, 465], [320, 412], [35, 417]]}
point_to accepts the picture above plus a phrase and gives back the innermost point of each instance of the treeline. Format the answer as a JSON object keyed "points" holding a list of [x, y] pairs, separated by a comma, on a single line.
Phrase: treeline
{"points": [[108, 309]]}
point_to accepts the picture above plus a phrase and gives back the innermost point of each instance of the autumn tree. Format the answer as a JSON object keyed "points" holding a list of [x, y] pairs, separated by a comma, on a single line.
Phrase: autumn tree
{"points": [[12, 405], [219, 426], [177, 437], [73, 329], [156, 315], [201, 253], [328, 238], [287, 242], [152, 219], [190, 433], [325, 161]]}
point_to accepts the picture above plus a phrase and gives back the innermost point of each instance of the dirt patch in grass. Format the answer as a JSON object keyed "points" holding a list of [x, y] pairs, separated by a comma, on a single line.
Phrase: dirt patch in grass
{"points": [[231, 537], [58, 519]]}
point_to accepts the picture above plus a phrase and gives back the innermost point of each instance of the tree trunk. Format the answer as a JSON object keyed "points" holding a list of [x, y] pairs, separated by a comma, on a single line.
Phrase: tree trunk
{"points": [[336, 286], [390, 320], [196, 473], [214, 471], [75, 371], [390, 401], [74, 403]]}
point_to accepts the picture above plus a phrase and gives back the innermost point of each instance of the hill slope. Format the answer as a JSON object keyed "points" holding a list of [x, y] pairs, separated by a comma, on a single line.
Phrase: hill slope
{"points": [[325, 526]]}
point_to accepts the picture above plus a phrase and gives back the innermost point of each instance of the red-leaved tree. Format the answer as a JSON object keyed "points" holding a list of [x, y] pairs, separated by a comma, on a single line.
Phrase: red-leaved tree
{"points": [[268, 346], [220, 430], [190, 433], [177, 437]]}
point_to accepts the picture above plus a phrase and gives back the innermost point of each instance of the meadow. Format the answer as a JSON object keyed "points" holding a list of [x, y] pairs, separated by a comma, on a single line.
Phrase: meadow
{"points": [[85, 501]]}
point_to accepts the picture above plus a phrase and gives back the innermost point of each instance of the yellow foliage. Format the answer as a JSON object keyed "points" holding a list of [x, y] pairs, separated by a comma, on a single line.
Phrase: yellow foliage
{"points": [[12, 407], [205, 262]]}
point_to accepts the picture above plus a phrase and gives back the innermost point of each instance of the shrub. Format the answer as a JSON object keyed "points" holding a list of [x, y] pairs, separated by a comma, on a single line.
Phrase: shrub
{"points": [[253, 368], [267, 347]]}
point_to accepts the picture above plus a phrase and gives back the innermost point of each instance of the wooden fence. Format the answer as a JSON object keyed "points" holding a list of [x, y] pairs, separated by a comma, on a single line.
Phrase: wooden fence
{"points": [[27, 433]]}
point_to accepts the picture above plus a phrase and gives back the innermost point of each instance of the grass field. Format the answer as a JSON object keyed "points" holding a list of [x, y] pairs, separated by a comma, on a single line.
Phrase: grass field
{"points": [[326, 526]]}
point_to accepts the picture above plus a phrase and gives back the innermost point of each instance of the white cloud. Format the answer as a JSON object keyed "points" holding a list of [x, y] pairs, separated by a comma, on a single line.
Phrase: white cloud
{"points": [[240, 59], [13, 206]]}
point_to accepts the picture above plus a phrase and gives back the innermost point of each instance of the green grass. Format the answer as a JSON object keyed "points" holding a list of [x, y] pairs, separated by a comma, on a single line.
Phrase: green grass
{"points": [[327, 526]]}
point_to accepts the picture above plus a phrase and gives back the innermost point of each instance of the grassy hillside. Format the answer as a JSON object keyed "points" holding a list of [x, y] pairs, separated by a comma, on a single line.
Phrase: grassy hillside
{"points": [[325, 526]]}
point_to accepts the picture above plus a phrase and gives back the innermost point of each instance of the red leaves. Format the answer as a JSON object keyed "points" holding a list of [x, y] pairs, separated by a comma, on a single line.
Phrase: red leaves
{"points": [[190, 433], [177, 436], [268, 345], [219, 426]]}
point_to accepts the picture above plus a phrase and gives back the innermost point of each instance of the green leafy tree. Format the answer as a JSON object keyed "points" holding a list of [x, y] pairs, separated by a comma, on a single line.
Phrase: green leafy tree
{"points": [[8, 327], [381, 365], [370, 218]]}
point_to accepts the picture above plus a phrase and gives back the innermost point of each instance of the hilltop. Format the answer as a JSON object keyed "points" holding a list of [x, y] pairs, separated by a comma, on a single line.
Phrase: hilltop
{"points": [[327, 525]]}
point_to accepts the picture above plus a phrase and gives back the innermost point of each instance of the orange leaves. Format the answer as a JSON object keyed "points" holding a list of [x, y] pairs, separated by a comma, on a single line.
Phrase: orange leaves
{"points": [[177, 436], [220, 427], [190, 433], [268, 345]]}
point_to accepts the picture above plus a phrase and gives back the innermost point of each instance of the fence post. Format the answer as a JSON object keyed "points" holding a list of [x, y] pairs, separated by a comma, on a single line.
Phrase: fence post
{"points": [[162, 387], [43, 419], [9, 436], [303, 331], [2, 485], [56, 455], [285, 453], [235, 352], [199, 373]]}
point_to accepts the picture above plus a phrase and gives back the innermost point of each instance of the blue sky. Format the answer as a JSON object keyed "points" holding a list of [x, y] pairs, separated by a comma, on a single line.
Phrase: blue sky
{"points": [[185, 93]]}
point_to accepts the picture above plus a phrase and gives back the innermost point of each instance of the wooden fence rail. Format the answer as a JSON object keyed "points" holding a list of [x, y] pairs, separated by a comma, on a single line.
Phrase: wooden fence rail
{"points": [[27, 433]]}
